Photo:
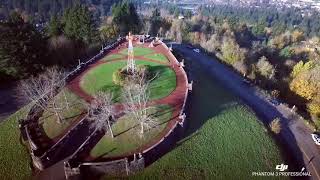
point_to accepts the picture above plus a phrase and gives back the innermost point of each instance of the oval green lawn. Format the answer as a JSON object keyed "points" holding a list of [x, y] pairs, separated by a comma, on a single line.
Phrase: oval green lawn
{"points": [[100, 79], [127, 135]]}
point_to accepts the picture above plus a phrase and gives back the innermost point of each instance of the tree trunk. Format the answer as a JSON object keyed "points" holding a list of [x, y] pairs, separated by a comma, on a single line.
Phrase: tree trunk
{"points": [[110, 129], [142, 128], [59, 118]]}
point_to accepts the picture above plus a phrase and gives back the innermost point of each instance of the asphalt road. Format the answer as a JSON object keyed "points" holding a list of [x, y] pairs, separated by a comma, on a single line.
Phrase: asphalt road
{"points": [[295, 135], [9, 100]]}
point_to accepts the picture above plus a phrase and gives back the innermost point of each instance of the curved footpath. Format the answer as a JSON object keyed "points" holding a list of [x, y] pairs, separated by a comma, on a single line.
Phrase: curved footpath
{"points": [[295, 136], [175, 99]]}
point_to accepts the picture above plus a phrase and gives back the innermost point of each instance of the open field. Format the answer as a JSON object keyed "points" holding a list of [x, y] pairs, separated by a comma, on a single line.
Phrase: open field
{"points": [[127, 134], [14, 158], [222, 136], [100, 79]]}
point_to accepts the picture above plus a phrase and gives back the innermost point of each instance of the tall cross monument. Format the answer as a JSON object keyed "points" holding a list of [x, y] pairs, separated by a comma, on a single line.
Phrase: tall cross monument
{"points": [[130, 63]]}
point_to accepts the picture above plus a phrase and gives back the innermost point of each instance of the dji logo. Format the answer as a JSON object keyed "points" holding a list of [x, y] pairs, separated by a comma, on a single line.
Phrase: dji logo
{"points": [[281, 167]]}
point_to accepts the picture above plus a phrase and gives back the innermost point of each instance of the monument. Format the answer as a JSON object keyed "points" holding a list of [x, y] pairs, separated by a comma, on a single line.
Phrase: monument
{"points": [[130, 63]]}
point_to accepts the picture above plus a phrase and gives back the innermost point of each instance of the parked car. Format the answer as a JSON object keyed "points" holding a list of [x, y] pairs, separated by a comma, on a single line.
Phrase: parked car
{"points": [[196, 50], [246, 81], [316, 138], [274, 102], [189, 46]]}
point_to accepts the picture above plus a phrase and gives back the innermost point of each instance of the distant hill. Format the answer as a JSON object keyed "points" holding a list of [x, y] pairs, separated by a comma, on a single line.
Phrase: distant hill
{"points": [[42, 10]]}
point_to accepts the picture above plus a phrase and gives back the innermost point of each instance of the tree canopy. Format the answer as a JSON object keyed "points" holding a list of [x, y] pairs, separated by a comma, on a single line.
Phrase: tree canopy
{"points": [[126, 18], [78, 24], [22, 48]]}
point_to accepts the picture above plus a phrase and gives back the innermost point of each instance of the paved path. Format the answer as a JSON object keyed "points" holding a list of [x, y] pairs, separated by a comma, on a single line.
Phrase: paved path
{"points": [[295, 136], [10, 102]]}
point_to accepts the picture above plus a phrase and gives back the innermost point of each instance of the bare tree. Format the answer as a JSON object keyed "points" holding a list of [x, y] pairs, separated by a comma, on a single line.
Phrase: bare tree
{"points": [[102, 112], [136, 98], [42, 90]]}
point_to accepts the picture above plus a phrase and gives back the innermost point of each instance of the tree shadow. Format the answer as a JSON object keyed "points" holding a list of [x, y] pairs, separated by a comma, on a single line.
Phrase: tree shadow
{"points": [[106, 153], [136, 125], [115, 90]]}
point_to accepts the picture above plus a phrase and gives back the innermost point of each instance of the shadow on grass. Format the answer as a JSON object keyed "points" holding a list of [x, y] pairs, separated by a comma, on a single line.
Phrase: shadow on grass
{"points": [[106, 153], [115, 90], [206, 101], [136, 125]]}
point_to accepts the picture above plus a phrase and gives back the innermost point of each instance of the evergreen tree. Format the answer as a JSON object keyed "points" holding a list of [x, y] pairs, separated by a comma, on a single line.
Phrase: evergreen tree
{"points": [[126, 18], [22, 48], [79, 25], [155, 22], [55, 27]]}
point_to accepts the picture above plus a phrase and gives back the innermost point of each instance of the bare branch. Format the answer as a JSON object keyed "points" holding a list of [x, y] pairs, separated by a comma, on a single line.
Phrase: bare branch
{"points": [[102, 112], [41, 91], [136, 97]]}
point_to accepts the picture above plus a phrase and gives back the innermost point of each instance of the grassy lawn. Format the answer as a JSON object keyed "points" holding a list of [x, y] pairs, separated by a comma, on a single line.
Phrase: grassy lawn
{"points": [[127, 134], [113, 56], [138, 51], [100, 79], [14, 158], [50, 125], [223, 139], [157, 57]]}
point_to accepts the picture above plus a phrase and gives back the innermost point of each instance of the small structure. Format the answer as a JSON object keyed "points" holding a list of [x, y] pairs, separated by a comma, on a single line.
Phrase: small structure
{"points": [[151, 45], [130, 63], [180, 17]]}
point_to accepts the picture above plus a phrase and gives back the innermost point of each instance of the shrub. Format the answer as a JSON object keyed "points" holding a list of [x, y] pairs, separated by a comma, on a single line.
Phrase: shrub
{"points": [[314, 110], [241, 67], [287, 52], [265, 68], [120, 76], [275, 126]]}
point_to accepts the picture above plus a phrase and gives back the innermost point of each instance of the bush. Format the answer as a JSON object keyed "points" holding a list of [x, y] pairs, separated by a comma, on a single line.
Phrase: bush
{"points": [[120, 76], [275, 126]]}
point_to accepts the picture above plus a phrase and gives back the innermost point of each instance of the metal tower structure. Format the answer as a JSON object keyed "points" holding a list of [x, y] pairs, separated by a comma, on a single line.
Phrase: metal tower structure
{"points": [[131, 62]]}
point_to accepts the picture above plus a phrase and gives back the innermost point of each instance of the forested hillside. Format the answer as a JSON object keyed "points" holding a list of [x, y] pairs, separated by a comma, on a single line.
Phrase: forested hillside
{"points": [[41, 10]]}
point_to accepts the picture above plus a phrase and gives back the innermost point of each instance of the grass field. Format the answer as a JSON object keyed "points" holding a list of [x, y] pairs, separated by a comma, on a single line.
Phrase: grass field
{"points": [[127, 134], [14, 158], [113, 56], [157, 57], [223, 139], [138, 51], [49, 122], [100, 79]]}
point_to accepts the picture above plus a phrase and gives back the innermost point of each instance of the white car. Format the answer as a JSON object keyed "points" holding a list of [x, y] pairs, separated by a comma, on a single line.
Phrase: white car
{"points": [[316, 138], [196, 50]]}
